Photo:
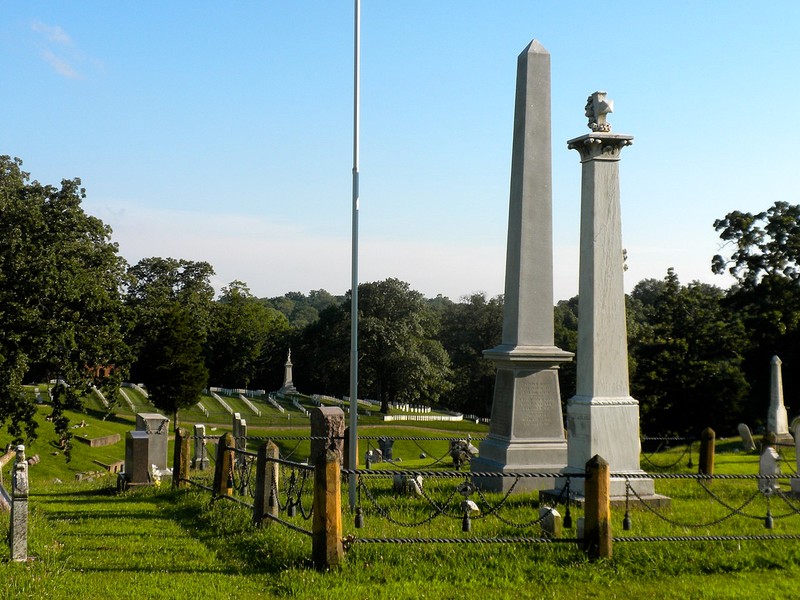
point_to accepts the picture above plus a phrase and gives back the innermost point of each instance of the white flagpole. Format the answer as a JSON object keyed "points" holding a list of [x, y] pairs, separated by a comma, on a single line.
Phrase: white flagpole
{"points": [[353, 439]]}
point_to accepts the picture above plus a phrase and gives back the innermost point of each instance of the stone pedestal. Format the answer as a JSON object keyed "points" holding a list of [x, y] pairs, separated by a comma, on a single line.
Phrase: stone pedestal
{"points": [[156, 427], [527, 430]]}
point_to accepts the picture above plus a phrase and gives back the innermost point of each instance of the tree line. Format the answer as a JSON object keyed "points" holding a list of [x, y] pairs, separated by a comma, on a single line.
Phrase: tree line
{"points": [[74, 312]]}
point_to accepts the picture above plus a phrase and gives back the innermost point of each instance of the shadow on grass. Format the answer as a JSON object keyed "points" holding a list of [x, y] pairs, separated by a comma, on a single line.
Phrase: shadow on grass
{"points": [[227, 529]]}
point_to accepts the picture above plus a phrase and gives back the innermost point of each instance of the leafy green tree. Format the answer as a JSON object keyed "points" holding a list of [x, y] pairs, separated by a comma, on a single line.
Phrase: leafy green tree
{"points": [[764, 244], [163, 293], [60, 278], [764, 257], [173, 365], [565, 317], [401, 359], [241, 332], [685, 357], [468, 328]]}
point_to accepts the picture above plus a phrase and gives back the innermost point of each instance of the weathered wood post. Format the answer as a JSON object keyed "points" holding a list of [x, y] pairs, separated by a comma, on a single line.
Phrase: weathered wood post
{"points": [[597, 513], [18, 533], [181, 459], [223, 470], [706, 461], [326, 543], [327, 449], [267, 472]]}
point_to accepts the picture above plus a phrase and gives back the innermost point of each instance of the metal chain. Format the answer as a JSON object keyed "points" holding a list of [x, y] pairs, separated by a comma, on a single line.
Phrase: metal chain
{"points": [[385, 514], [670, 465], [728, 506], [666, 519]]}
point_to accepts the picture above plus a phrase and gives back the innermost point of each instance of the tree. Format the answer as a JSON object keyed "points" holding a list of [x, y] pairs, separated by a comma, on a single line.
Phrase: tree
{"points": [[174, 370], [764, 258], [401, 360], [686, 357], [242, 328], [765, 244], [164, 294], [468, 328], [60, 278]]}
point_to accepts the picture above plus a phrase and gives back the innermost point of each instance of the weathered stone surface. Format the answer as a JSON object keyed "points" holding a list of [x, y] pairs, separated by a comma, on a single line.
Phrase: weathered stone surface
{"points": [[526, 431], [748, 445], [137, 457], [777, 418], [157, 428], [327, 432]]}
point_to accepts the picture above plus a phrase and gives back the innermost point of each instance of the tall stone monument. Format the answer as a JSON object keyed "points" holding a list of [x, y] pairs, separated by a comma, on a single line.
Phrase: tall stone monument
{"points": [[288, 385], [527, 428], [777, 418], [602, 417]]}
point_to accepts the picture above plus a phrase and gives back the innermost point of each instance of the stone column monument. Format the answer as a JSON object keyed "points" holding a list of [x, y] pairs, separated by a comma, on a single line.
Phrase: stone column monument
{"points": [[288, 385], [602, 418], [527, 428], [777, 418]]}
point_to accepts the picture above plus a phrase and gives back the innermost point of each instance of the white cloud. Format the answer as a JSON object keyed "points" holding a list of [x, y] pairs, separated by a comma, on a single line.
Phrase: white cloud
{"points": [[52, 33], [58, 51], [60, 65]]}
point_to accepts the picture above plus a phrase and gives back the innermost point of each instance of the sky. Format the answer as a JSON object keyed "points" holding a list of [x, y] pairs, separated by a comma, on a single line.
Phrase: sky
{"points": [[224, 131]]}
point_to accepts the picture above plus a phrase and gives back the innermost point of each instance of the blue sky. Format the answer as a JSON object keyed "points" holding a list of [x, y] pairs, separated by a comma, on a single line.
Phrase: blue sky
{"points": [[223, 131]]}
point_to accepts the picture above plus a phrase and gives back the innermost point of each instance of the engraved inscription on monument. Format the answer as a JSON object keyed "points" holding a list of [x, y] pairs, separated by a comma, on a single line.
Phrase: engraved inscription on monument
{"points": [[501, 411], [534, 411]]}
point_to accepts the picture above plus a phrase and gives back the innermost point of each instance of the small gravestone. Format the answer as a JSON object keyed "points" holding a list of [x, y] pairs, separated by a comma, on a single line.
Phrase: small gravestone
{"points": [[769, 465], [551, 521], [156, 427], [137, 457], [748, 445], [200, 458]]}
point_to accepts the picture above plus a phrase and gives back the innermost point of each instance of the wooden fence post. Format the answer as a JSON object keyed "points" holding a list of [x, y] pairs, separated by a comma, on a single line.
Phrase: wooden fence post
{"points": [[267, 472], [326, 542], [706, 461], [223, 470], [181, 460], [597, 513]]}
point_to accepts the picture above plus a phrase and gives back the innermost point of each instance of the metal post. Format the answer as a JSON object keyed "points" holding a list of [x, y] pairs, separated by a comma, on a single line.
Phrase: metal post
{"points": [[354, 287]]}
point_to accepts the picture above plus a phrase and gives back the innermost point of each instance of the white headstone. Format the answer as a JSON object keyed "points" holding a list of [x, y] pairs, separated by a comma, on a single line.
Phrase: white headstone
{"points": [[748, 444]]}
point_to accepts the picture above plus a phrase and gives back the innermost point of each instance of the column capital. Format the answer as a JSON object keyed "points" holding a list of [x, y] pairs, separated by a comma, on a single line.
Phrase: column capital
{"points": [[600, 146]]}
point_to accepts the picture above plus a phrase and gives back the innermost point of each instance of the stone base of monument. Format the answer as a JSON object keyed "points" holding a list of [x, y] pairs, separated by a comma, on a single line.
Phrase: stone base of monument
{"points": [[795, 482], [641, 490], [531, 456]]}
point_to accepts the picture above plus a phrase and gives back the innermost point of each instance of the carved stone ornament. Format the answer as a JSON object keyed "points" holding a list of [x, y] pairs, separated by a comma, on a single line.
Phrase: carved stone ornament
{"points": [[597, 107]]}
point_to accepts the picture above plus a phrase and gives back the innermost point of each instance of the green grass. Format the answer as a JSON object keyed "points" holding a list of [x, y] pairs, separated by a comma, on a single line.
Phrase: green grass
{"points": [[89, 542]]}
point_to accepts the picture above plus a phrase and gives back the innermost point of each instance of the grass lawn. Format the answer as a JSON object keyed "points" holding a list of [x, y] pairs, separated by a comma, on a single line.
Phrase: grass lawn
{"points": [[90, 542]]}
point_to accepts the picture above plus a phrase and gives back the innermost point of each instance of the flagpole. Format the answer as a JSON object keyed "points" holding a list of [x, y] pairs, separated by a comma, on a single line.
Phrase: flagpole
{"points": [[353, 439]]}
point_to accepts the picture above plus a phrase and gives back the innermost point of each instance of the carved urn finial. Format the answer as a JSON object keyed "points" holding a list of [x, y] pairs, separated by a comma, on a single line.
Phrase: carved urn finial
{"points": [[597, 107]]}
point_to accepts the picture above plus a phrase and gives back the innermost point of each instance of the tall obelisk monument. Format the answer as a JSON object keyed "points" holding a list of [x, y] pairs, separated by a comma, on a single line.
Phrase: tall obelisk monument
{"points": [[602, 417], [527, 429]]}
